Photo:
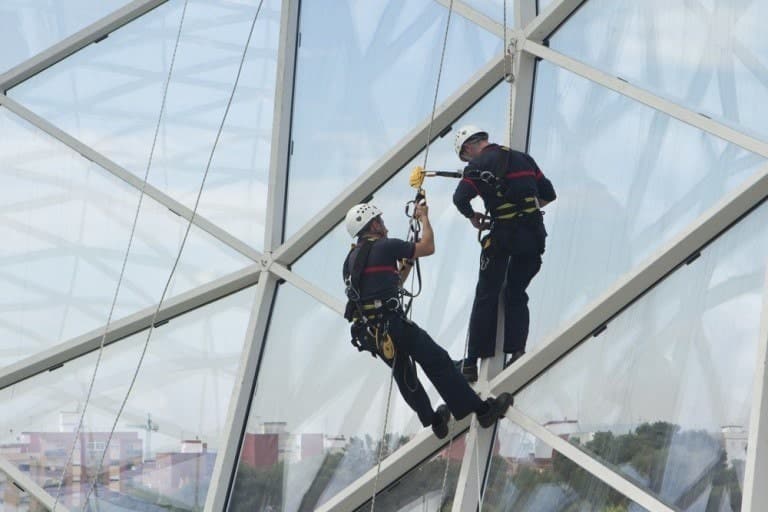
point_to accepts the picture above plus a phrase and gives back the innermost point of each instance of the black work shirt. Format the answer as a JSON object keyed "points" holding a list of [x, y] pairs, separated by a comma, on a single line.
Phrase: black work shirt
{"points": [[523, 178], [381, 278]]}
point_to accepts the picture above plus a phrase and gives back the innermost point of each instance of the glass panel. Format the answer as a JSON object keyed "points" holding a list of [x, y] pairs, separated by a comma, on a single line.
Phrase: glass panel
{"points": [[363, 82], [65, 226], [526, 474], [449, 275], [109, 95], [164, 448], [27, 27], [430, 486], [711, 59], [664, 393], [543, 5], [317, 415], [629, 179]]}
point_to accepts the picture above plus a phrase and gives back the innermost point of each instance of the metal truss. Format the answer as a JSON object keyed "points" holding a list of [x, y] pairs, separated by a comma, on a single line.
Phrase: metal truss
{"points": [[274, 265]]}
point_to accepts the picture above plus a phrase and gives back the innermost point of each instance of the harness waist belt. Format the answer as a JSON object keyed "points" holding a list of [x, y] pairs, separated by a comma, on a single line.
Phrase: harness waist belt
{"points": [[509, 211]]}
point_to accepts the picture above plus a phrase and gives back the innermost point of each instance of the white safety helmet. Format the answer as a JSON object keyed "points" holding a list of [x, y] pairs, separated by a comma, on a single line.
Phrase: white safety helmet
{"points": [[464, 133], [360, 215]]}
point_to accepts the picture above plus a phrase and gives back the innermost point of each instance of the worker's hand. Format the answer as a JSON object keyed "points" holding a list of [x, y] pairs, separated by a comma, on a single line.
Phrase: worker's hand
{"points": [[421, 211], [479, 222]]}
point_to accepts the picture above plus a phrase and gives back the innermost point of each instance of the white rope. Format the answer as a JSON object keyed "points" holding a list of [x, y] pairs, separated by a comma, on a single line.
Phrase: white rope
{"points": [[100, 353], [178, 256], [437, 85], [383, 438], [410, 312]]}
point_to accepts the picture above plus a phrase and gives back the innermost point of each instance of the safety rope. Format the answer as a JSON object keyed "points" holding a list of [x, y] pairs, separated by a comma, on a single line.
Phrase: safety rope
{"points": [[92, 487], [131, 237], [414, 231]]}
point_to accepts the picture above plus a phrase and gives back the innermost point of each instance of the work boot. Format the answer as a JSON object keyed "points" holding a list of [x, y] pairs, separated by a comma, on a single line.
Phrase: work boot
{"points": [[467, 368], [440, 421], [496, 409], [514, 356]]}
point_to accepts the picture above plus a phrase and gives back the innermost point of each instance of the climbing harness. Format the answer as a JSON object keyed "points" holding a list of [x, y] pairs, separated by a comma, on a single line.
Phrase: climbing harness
{"points": [[92, 486], [78, 430]]}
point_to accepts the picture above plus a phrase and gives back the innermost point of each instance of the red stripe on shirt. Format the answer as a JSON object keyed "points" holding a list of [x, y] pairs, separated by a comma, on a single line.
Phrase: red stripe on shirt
{"points": [[380, 268], [467, 180], [522, 174]]}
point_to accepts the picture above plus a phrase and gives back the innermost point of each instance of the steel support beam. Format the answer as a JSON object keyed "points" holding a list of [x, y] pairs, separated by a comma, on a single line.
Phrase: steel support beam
{"points": [[646, 98], [76, 42], [58, 355], [756, 472], [418, 449], [476, 17], [26, 484], [548, 21], [520, 68], [161, 197], [308, 288], [589, 463], [404, 151], [281, 124], [225, 467]]}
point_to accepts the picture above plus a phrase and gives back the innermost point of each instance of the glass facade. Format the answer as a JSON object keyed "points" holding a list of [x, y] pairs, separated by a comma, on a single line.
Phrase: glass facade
{"points": [[256, 401]]}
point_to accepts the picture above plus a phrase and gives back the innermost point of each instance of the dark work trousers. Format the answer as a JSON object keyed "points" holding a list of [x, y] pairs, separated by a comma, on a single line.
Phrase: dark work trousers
{"points": [[519, 269], [411, 340]]}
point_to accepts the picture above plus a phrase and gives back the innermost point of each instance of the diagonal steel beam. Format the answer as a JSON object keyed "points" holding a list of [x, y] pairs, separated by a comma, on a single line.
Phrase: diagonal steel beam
{"points": [[545, 24], [405, 150], [54, 357], [476, 17], [588, 462], [418, 449], [26, 484], [76, 42], [646, 98], [307, 287], [161, 197]]}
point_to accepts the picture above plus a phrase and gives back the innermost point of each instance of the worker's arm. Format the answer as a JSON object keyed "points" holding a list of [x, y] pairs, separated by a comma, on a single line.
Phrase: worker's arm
{"points": [[405, 270], [546, 191], [426, 245]]}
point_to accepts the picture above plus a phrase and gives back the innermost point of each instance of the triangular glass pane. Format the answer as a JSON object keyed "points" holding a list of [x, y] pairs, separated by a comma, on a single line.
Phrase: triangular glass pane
{"points": [[688, 52], [317, 413], [526, 474], [363, 83], [27, 27], [664, 393], [164, 448], [66, 224], [429, 487], [629, 180], [108, 95]]}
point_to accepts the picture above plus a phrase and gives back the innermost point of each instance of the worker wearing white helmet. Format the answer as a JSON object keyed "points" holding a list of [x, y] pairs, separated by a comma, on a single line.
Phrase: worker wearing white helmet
{"points": [[513, 189], [374, 271]]}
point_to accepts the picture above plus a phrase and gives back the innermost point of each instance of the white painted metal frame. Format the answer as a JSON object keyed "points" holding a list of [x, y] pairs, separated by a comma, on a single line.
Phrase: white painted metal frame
{"points": [[28, 485], [755, 496], [275, 264]]}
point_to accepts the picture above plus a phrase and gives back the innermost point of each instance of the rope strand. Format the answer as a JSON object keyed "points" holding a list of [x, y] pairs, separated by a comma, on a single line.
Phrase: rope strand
{"points": [[178, 256], [131, 237]]}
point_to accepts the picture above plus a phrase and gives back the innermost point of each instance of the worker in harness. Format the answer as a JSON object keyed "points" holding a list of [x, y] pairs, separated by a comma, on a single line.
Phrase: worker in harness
{"points": [[374, 271], [514, 190]]}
